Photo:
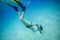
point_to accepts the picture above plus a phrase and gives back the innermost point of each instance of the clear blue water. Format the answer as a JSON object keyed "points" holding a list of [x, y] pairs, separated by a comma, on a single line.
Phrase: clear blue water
{"points": [[44, 12]]}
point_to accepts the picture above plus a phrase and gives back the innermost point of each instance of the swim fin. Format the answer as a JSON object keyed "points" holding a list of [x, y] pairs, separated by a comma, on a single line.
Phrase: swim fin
{"points": [[11, 5], [20, 4]]}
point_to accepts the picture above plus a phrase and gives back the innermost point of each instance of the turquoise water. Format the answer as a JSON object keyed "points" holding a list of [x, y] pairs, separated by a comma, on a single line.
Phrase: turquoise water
{"points": [[44, 12]]}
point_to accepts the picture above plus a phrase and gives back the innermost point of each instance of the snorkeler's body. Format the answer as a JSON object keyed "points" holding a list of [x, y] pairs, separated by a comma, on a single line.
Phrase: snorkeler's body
{"points": [[33, 27]]}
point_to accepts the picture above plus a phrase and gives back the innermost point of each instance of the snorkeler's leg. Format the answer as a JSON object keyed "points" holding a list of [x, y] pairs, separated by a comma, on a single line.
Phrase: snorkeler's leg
{"points": [[21, 15], [20, 4], [24, 21], [6, 1]]}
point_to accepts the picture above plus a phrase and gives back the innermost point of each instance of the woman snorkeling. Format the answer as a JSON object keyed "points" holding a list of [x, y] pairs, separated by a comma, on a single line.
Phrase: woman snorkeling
{"points": [[33, 27]]}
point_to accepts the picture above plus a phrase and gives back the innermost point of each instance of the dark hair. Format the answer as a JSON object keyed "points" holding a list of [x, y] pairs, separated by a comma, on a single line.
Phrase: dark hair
{"points": [[41, 27]]}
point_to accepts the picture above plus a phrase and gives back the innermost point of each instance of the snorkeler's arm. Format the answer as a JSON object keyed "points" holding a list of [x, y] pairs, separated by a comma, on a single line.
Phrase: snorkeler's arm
{"points": [[6, 1], [25, 22]]}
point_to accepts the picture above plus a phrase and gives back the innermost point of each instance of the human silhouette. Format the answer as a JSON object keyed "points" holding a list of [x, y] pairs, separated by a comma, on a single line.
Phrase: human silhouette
{"points": [[33, 27]]}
